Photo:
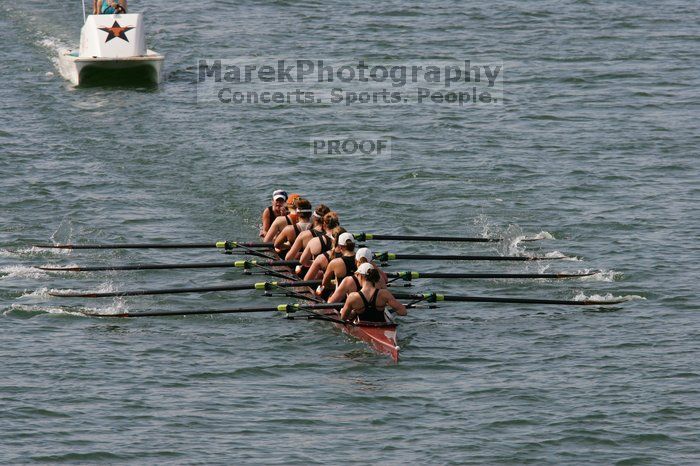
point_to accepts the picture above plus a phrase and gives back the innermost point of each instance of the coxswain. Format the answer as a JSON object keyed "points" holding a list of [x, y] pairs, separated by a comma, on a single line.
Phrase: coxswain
{"points": [[342, 266], [271, 212], [305, 236], [351, 283], [289, 233], [282, 221], [367, 304], [320, 243]]}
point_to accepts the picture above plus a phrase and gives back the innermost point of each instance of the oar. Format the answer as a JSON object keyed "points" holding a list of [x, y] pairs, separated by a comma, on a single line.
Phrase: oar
{"points": [[435, 297], [389, 256], [447, 239], [227, 245], [236, 244], [248, 264], [287, 308], [207, 289], [194, 265], [416, 275], [102, 268]]}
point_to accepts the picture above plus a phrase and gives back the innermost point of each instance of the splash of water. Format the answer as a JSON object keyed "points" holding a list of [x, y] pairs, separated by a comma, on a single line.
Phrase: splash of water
{"points": [[24, 310], [118, 306], [607, 297], [21, 271]]}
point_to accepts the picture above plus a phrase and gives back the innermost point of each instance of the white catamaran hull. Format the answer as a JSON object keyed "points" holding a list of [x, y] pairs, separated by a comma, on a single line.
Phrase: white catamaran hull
{"points": [[112, 46]]}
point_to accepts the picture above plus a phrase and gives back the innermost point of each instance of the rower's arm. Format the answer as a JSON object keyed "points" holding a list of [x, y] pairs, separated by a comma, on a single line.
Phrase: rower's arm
{"points": [[305, 259], [340, 292], [347, 312], [384, 278], [307, 256], [272, 231], [393, 303], [296, 247], [269, 236], [328, 274], [281, 239], [265, 222], [312, 273]]}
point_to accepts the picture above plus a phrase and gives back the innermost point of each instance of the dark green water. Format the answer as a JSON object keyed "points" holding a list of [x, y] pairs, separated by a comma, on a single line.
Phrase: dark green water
{"points": [[596, 143]]}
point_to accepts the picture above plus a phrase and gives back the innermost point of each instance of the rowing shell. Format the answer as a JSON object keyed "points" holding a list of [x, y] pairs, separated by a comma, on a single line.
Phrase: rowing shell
{"points": [[381, 337]]}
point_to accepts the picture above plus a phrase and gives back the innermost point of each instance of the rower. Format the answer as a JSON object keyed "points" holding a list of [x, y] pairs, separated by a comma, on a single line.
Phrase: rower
{"points": [[351, 283], [321, 242], [271, 212], [318, 266], [305, 236], [342, 266], [367, 304], [290, 218], [290, 233]]}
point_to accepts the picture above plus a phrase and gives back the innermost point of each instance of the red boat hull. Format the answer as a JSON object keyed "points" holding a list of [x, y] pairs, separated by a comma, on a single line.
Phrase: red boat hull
{"points": [[381, 337]]}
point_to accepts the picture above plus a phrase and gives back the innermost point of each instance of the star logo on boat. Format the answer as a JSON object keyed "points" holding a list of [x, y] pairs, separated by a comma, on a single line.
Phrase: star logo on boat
{"points": [[116, 31]]}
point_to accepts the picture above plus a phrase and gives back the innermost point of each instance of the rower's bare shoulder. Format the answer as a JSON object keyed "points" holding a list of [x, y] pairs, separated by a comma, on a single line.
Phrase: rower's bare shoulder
{"points": [[346, 281], [385, 294], [353, 296]]}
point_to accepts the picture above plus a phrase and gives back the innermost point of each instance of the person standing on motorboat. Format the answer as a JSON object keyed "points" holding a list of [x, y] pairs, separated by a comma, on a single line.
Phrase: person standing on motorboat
{"points": [[108, 7]]}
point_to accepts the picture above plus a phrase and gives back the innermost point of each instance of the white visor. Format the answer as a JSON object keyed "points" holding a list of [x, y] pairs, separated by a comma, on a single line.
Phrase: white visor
{"points": [[344, 238], [364, 268], [364, 252], [279, 194]]}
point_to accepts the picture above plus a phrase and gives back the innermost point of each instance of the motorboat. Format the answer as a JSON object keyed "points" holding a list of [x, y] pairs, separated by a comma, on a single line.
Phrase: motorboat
{"points": [[112, 49]]}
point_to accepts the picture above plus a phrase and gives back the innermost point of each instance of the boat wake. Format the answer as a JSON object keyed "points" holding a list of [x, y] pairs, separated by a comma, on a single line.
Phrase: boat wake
{"points": [[36, 29], [54, 46]]}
